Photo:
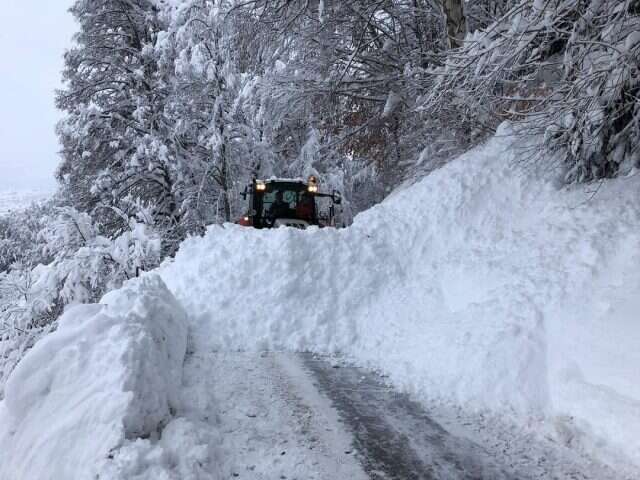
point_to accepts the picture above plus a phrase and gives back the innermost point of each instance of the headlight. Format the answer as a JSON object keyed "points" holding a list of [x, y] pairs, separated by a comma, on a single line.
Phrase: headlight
{"points": [[261, 186], [312, 184]]}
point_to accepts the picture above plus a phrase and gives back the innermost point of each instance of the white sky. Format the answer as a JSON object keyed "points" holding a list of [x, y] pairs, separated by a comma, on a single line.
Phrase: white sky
{"points": [[33, 37]]}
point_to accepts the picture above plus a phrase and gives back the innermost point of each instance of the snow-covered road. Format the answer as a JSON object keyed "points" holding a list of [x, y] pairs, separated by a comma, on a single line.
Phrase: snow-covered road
{"points": [[273, 422], [300, 416]]}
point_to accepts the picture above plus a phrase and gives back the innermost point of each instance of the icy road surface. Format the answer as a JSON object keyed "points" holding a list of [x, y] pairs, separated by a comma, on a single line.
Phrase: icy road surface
{"points": [[304, 417]]}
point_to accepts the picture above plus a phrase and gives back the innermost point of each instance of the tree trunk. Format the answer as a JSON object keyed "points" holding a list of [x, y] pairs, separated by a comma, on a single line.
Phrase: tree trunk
{"points": [[224, 175], [456, 22]]}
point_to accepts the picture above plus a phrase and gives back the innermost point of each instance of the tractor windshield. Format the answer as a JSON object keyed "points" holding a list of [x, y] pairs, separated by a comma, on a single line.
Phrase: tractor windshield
{"points": [[289, 197], [285, 200]]}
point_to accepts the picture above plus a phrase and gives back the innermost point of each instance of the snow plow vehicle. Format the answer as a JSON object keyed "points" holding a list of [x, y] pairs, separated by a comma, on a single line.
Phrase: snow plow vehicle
{"points": [[294, 203]]}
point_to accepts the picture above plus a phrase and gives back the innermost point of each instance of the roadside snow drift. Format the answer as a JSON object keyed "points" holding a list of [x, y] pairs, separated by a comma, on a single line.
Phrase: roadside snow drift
{"points": [[486, 284], [110, 372]]}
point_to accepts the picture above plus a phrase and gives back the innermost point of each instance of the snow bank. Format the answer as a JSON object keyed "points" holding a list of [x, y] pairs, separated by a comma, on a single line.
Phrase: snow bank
{"points": [[486, 284], [109, 373]]}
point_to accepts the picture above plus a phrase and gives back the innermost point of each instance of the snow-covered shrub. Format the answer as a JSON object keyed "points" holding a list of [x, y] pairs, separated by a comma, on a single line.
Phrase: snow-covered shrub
{"points": [[23, 317], [87, 264], [19, 240]]}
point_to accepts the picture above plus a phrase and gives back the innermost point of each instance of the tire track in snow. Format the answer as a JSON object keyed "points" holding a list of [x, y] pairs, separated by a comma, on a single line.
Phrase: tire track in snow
{"points": [[395, 438]]}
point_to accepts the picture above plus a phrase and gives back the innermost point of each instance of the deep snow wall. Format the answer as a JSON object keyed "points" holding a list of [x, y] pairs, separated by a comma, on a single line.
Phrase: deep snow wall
{"points": [[108, 374], [487, 284]]}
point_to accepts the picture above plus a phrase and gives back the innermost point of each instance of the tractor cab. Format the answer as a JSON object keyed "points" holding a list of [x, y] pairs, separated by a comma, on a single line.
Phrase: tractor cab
{"points": [[288, 202]]}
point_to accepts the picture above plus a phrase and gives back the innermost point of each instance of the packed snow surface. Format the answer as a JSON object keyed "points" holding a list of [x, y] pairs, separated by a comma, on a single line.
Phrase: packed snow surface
{"points": [[486, 285], [110, 372]]}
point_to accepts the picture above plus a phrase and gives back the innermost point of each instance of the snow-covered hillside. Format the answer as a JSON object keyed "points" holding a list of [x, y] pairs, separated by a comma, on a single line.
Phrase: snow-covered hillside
{"points": [[486, 286], [12, 200]]}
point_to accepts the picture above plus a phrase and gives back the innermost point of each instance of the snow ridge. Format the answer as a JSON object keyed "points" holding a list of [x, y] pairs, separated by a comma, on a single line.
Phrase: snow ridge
{"points": [[110, 372]]}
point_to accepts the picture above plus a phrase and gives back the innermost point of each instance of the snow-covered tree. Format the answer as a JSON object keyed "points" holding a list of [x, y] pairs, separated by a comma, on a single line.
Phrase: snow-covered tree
{"points": [[564, 69], [211, 110], [346, 70], [115, 154]]}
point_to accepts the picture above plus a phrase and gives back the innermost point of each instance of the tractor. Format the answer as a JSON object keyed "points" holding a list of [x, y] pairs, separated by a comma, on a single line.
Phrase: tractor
{"points": [[293, 203]]}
